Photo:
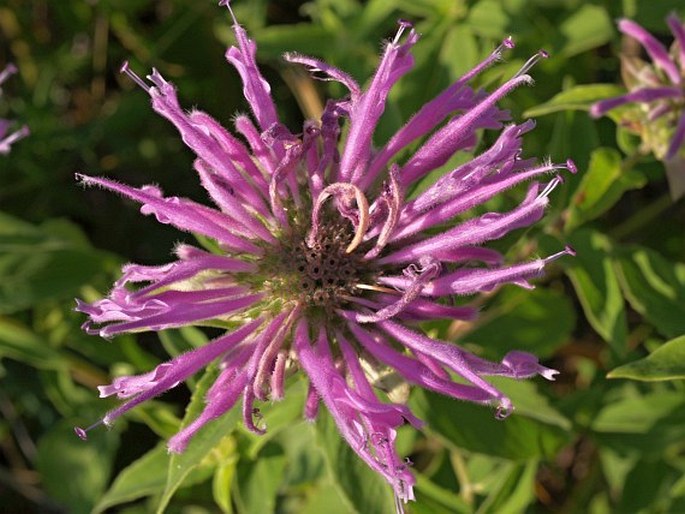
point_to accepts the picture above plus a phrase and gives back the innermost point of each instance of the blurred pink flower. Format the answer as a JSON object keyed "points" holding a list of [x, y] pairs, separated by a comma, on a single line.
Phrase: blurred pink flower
{"points": [[657, 90], [7, 138]]}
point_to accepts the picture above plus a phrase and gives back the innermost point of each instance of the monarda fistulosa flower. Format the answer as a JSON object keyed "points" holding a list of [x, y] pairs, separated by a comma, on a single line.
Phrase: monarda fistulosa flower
{"points": [[656, 92], [325, 265], [7, 137]]}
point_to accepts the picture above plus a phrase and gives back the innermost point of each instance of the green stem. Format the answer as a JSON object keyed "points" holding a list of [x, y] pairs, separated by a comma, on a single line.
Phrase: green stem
{"points": [[642, 217], [466, 489]]}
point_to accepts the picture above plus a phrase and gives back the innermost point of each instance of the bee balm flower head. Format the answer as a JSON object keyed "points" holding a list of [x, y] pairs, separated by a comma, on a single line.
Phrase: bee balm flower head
{"points": [[656, 93], [324, 262]]}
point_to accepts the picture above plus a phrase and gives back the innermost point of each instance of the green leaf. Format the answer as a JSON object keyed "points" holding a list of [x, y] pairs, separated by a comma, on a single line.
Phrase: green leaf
{"points": [[601, 187], [432, 498], [304, 38], [279, 416], [529, 402], [362, 490], [645, 487], [201, 446], [665, 363], [325, 498], [144, 477], [74, 472], [637, 413], [19, 343], [575, 98], [514, 491], [259, 480], [474, 427], [306, 462], [43, 262], [646, 425], [588, 27], [655, 287], [538, 321], [594, 278], [488, 18], [181, 340], [222, 484]]}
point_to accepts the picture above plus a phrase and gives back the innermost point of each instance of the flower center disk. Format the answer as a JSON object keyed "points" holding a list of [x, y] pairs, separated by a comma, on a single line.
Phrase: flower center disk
{"points": [[320, 275]]}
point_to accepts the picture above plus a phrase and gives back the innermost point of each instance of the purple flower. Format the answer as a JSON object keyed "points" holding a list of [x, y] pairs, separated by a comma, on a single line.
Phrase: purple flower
{"points": [[325, 259], [657, 87], [7, 139]]}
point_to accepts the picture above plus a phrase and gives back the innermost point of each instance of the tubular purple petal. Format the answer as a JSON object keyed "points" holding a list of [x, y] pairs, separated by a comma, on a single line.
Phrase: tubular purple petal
{"points": [[184, 366], [255, 88], [367, 110], [677, 139], [415, 371], [371, 436], [183, 214], [457, 134], [321, 70], [487, 227], [640, 95], [653, 47], [678, 30], [456, 96]]}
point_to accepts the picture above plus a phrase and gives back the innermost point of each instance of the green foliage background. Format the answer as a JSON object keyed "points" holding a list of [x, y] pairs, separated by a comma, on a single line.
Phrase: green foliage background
{"points": [[607, 437]]}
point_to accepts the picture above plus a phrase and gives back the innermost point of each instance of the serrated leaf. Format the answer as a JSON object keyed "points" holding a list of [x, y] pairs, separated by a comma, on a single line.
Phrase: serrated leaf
{"points": [[602, 185], [575, 98], [362, 490], [665, 363], [594, 279], [144, 477], [655, 287], [181, 465]]}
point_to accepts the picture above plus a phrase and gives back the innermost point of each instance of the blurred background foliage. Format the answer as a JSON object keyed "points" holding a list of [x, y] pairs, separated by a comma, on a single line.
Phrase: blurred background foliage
{"points": [[608, 436]]}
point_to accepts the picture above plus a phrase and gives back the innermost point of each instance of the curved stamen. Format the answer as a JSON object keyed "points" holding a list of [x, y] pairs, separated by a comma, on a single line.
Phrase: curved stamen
{"points": [[427, 272], [508, 42], [343, 191], [7, 72], [227, 4], [126, 70], [571, 166], [380, 289], [568, 250], [393, 201], [551, 186], [82, 433], [541, 54], [404, 24], [13, 138]]}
